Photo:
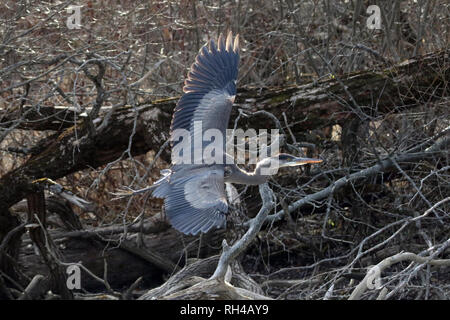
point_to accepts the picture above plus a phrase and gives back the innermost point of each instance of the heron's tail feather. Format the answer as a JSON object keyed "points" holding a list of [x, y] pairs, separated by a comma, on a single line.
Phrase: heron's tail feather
{"points": [[162, 186]]}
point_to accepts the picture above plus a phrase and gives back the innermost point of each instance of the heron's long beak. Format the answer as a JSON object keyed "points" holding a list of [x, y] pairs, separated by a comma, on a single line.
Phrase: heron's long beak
{"points": [[301, 161]]}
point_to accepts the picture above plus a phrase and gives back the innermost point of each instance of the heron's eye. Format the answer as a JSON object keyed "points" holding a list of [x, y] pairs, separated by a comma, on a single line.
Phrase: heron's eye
{"points": [[283, 157]]}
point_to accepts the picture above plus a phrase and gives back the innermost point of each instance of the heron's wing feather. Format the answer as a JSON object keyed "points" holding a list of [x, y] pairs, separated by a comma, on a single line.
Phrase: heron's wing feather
{"points": [[194, 193], [209, 90], [196, 201]]}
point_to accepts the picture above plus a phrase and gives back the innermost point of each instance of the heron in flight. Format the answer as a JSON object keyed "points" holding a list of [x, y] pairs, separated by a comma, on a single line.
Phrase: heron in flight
{"points": [[194, 193]]}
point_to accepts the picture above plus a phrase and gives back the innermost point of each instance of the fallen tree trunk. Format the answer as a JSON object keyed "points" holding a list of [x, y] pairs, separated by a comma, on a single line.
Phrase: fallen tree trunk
{"points": [[126, 262], [316, 104]]}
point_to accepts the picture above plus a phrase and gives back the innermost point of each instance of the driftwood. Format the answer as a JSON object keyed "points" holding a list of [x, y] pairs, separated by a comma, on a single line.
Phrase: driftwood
{"points": [[192, 283], [187, 284]]}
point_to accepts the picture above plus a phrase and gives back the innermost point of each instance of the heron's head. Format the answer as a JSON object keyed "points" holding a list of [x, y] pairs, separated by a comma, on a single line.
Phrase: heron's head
{"points": [[270, 166]]}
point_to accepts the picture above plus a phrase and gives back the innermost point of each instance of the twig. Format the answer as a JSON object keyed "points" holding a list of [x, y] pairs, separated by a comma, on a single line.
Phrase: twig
{"points": [[34, 289], [386, 263], [127, 294], [230, 253], [404, 256]]}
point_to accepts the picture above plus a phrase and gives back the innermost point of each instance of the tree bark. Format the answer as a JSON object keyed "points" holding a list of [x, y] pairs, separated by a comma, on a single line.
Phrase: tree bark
{"points": [[37, 226]]}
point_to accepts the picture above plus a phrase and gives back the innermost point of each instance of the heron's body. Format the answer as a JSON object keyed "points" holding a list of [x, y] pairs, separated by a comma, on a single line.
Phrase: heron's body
{"points": [[194, 192]]}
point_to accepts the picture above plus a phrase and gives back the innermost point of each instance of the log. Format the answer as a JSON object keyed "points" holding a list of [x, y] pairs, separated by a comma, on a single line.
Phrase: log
{"points": [[125, 262], [316, 104]]}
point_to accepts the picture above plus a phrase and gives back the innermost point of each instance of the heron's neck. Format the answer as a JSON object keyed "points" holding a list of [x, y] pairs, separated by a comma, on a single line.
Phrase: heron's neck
{"points": [[240, 176]]}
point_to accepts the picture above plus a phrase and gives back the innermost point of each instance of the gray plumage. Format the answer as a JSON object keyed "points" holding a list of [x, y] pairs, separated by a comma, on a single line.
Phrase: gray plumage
{"points": [[194, 194]]}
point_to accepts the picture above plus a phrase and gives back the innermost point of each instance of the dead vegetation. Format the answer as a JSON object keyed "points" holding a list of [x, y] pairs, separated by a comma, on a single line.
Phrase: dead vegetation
{"points": [[99, 99]]}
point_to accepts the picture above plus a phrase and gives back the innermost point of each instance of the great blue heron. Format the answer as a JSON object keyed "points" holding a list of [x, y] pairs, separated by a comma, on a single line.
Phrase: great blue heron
{"points": [[194, 194]]}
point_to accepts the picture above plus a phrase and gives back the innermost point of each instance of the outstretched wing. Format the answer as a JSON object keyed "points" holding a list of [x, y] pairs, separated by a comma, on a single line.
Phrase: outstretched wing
{"points": [[209, 92], [195, 199], [194, 192]]}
